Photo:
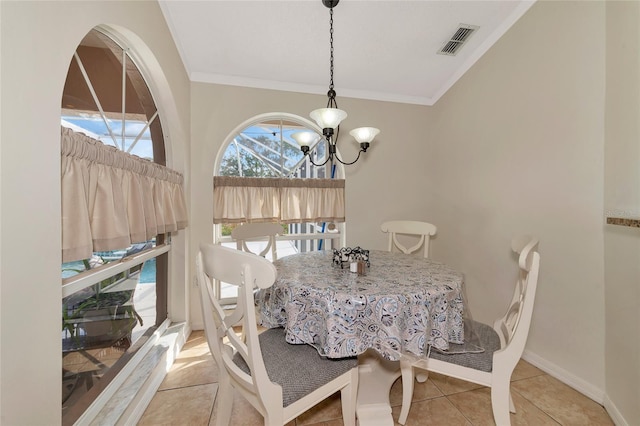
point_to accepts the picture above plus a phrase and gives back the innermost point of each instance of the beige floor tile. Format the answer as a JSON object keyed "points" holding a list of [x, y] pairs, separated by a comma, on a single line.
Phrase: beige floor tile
{"points": [[449, 385], [190, 371], [190, 387], [524, 370], [436, 412], [243, 414], [421, 391], [195, 346], [329, 423], [196, 336], [328, 410], [476, 406], [186, 406], [564, 404]]}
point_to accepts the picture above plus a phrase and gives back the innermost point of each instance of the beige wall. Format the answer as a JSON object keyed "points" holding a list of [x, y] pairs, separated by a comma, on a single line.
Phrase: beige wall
{"points": [[385, 183], [518, 148], [622, 197], [37, 43]]}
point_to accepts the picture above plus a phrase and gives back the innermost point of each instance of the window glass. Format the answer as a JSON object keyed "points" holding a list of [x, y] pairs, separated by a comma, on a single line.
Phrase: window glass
{"points": [[105, 320], [266, 149]]}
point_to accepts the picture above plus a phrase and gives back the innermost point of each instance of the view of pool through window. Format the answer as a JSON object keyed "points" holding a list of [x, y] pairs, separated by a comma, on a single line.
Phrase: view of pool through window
{"points": [[148, 274]]}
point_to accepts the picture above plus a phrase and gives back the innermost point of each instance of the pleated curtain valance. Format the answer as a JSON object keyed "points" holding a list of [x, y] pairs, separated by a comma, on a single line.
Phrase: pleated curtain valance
{"points": [[283, 200], [112, 199]]}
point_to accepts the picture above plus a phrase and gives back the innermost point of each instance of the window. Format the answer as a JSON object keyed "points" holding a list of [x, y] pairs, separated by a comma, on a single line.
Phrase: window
{"points": [[109, 307], [263, 147]]}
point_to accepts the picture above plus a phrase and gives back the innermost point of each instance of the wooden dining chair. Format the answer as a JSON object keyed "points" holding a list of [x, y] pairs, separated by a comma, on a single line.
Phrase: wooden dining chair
{"points": [[424, 230], [503, 344], [257, 231], [279, 379]]}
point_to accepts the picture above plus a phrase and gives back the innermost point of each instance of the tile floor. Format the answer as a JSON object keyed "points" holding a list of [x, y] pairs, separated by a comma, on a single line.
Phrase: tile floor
{"points": [[187, 395]]}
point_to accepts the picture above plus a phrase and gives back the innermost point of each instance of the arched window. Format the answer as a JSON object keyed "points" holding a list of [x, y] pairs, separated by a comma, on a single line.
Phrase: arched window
{"points": [[263, 147], [110, 309]]}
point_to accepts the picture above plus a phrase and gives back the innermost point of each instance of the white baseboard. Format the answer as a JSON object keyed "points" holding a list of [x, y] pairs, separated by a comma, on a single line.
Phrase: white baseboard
{"points": [[614, 413], [569, 379]]}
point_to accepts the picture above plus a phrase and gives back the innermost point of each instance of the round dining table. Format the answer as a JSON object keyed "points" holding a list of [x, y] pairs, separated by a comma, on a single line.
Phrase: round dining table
{"points": [[401, 304]]}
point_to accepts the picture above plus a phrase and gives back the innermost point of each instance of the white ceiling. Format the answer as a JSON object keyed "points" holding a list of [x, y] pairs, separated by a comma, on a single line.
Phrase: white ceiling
{"points": [[384, 50]]}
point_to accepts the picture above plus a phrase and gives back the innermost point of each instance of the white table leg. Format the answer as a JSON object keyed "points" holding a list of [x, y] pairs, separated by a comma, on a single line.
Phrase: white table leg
{"points": [[376, 376]]}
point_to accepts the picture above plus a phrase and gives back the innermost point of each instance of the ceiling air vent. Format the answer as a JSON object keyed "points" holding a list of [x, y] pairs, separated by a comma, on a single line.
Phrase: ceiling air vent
{"points": [[460, 37]]}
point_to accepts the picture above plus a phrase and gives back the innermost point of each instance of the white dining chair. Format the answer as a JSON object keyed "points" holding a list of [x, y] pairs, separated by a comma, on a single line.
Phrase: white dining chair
{"points": [[503, 344], [256, 232], [279, 379], [252, 232], [423, 230]]}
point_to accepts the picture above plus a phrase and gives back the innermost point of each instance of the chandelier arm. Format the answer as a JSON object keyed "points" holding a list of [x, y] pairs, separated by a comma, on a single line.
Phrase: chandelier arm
{"points": [[347, 163], [320, 164]]}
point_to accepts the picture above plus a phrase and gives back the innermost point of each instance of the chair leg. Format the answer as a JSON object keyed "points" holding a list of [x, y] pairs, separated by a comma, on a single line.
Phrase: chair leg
{"points": [[348, 398], [407, 390], [500, 402], [273, 418], [224, 401], [512, 406], [422, 376]]}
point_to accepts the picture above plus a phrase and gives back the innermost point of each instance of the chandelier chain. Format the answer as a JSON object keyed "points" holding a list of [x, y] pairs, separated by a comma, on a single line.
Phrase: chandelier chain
{"points": [[331, 47], [330, 123]]}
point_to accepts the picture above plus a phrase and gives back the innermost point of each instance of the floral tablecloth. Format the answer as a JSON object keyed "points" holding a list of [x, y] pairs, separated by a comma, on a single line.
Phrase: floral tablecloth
{"points": [[403, 303]]}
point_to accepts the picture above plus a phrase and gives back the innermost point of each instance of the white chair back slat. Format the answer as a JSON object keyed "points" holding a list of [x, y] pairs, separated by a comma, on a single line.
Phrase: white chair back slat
{"points": [[423, 230], [246, 232]]}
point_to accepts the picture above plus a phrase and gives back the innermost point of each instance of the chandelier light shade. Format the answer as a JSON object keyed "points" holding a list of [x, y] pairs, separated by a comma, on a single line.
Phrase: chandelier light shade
{"points": [[364, 134], [304, 138], [329, 118]]}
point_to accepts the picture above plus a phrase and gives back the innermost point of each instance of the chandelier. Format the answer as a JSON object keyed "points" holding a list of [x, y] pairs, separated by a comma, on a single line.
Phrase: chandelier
{"points": [[329, 118]]}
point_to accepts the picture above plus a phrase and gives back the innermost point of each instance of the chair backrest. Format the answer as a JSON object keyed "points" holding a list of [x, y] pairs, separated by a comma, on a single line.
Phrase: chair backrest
{"points": [[247, 271], [513, 327], [424, 230], [255, 231]]}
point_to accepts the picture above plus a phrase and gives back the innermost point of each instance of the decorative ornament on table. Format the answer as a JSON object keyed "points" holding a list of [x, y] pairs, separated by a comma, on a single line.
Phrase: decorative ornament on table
{"points": [[348, 255]]}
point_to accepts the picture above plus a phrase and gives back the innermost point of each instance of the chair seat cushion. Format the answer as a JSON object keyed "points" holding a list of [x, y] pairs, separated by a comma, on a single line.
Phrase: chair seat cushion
{"points": [[485, 337], [298, 369]]}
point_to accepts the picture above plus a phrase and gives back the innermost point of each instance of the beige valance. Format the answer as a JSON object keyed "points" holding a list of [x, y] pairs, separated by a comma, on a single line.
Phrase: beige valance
{"points": [[112, 199], [284, 200]]}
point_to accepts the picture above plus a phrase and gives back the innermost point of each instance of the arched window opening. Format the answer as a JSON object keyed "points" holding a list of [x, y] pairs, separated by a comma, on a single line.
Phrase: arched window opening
{"points": [[263, 147], [105, 97], [112, 308]]}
